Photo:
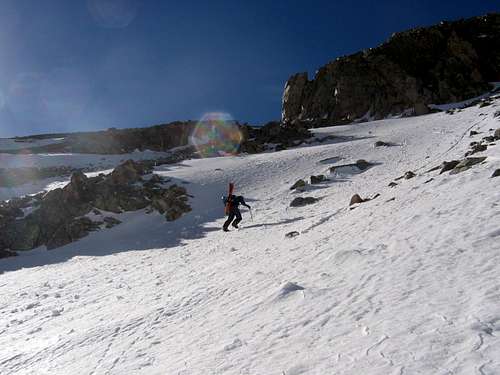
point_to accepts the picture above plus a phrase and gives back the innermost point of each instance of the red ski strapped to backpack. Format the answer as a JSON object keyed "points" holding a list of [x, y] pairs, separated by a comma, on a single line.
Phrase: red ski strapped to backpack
{"points": [[229, 200]]}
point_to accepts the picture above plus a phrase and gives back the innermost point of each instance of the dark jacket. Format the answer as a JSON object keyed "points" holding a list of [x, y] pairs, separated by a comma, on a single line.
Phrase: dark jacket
{"points": [[235, 201]]}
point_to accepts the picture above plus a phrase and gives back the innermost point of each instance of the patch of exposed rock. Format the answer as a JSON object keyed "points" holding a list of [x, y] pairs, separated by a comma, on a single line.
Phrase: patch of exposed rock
{"points": [[317, 179], [298, 185], [61, 216], [466, 164], [303, 201]]}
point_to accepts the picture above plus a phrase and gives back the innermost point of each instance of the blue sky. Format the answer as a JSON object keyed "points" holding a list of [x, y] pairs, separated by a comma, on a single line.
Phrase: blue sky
{"points": [[94, 64]]}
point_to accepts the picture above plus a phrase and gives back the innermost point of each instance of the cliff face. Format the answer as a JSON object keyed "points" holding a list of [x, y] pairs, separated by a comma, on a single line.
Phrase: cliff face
{"points": [[449, 62]]}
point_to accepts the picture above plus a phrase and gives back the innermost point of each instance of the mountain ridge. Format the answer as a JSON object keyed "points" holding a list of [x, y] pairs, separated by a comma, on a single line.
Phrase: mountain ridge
{"points": [[448, 62]]}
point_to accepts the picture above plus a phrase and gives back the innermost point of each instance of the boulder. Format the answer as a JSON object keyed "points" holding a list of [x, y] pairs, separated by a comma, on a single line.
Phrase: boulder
{"points": [[362, 164], [476, 148], [496, 134], [127, 173], [303, 201], [448, 165], [355, 199], [409, 175], [71, 231], [299, 185], [318, 179], [381, 144], [22, 235], [292, 234], [466, 164], [496, 173]]}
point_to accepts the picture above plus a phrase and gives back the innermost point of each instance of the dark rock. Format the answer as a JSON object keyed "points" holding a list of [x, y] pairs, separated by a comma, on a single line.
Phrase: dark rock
{"points": [[448, 165], [363, 164], [393, 184], [455, 61], [21, 235], [171, 202], [496, 173], [477, 148], [71, 231], [489, 138], [288, 288], [473, 133], [299, 185], [303, 201], [127, 173], [496, 114], [292, 234], [409, 175], [466, 164], [356, 199], [318, 179], [381, 144], [497, 134]]}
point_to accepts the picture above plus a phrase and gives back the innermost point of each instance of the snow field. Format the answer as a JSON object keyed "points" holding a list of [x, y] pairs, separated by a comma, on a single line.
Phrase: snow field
{"points": [[394, 286]]}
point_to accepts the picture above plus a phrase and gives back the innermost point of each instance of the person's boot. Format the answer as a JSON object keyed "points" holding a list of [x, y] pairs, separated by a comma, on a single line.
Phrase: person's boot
{"points": [[225, 229], [236, 226]]}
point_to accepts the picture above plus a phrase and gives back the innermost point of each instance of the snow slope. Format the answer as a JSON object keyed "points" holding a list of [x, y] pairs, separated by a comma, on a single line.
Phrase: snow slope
{"points": [[395, 286]]}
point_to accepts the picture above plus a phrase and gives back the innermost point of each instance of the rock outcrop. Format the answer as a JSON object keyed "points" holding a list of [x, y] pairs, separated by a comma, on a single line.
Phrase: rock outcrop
{"points": [[445, 63], [61, 216]]}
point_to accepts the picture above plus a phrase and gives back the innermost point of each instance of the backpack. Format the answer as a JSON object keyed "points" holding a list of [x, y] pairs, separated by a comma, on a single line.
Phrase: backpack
{"points": [[229, 204]]}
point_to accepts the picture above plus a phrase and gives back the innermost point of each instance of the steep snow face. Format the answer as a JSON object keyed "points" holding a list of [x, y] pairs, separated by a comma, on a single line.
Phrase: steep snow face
{"points": [[406, 283]]}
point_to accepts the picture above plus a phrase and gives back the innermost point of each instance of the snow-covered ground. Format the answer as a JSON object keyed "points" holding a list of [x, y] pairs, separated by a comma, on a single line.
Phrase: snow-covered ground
{"points": [[407, 283]]}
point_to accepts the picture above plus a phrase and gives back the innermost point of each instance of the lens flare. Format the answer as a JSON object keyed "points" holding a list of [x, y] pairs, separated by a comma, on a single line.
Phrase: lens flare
{"points": [[216, 134]]}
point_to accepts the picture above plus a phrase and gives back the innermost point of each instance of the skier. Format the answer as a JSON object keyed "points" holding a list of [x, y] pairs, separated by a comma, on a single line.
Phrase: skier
{"points": [[232, 203]]}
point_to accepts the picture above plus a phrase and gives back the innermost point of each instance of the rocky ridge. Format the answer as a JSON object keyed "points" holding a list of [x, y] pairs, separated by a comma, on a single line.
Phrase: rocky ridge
{"points": [[63, 215], [449, 62]]}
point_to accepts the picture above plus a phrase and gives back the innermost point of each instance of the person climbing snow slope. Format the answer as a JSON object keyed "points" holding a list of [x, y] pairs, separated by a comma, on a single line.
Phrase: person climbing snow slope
{"points": [[232, 207]]}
